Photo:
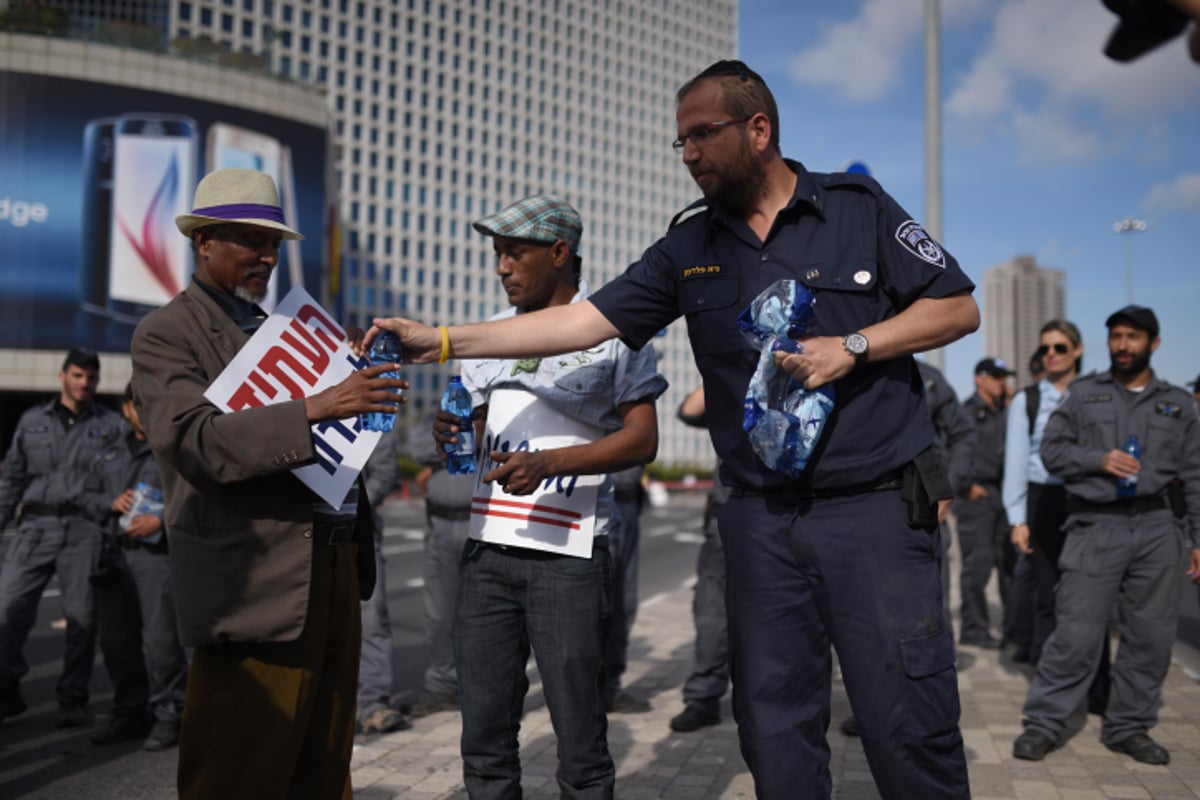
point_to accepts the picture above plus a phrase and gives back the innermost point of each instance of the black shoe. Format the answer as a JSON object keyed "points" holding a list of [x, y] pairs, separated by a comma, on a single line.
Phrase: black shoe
{"points": [[11, 703], [71, 717], [1032, 745], [163, 736], [986, 641], [429, 703], [1141, 748], [384, 720], [850, 727], [1097, 706], [117, 729], [693, 718], [1021, 655], [625, 703]]}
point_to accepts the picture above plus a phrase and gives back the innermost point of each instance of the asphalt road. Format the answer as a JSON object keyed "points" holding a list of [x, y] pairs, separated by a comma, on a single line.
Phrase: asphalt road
{"points": [[39, 761]]}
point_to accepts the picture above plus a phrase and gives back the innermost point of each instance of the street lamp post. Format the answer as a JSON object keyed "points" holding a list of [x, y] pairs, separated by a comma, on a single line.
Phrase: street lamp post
{"points": [[1129, 226]]}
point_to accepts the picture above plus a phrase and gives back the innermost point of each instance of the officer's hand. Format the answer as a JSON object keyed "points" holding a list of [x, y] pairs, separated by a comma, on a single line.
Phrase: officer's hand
{"points": [[143, 525], [1120, 464], [976, 492], [422, 343], [1194, 566], [821, 360], [943, 510], [363, 390], [1020, 537], [123, 502], [422, 478], [521, 472]]}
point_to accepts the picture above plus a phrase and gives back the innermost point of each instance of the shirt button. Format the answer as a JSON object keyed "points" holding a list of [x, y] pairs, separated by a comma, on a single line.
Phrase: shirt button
{"points": [[699, 301], [765, 257], [308, 534]]}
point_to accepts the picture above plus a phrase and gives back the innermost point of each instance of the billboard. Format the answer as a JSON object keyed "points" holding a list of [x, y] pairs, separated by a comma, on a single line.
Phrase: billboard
{"points": [[91, 178]]}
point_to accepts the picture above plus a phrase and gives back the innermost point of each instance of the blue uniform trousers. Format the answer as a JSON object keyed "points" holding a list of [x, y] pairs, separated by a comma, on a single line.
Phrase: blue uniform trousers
{"points": [[43, 546], [848, 572], [512, 599], [709, 680], [1137, 561]]}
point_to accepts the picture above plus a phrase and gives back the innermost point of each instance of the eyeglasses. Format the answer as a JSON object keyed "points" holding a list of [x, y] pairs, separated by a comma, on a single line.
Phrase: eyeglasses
{"points": [[698, 136], [1059, 348]]}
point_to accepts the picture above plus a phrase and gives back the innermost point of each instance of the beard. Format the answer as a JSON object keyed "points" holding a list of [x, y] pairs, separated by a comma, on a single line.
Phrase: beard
{"points": [[740, 184], [242, 293], [1138, 364]]}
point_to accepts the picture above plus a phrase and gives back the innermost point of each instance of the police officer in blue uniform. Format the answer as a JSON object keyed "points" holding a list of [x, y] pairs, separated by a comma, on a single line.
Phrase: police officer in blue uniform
{"points": [[1130, 549], [847, 554]]}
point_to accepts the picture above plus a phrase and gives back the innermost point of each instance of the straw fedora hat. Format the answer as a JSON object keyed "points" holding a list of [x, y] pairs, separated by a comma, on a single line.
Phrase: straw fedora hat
{"points": [[245, 196]]}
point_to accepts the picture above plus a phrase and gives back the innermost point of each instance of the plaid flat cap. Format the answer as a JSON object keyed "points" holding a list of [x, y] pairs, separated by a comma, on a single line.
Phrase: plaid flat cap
{"points": [[540, 218]]}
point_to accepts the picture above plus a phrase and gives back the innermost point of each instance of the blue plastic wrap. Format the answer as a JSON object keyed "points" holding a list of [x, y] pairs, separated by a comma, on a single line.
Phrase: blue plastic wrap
{"points": [[783, 419]]}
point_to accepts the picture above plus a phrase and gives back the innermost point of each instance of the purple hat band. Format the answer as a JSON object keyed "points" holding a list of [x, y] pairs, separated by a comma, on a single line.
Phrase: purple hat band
{"points": [[243, 211]]}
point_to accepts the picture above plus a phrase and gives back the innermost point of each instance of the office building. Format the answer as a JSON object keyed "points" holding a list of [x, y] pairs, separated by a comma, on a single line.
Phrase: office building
{"points": [[1018, 298]]}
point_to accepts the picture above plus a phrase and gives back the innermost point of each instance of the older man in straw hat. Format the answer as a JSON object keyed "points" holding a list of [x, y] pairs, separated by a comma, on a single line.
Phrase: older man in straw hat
{"points": [[267, 576]]}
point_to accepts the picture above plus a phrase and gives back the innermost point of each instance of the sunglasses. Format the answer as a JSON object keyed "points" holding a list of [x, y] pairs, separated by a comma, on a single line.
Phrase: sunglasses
{"points": [[1058, 347]]}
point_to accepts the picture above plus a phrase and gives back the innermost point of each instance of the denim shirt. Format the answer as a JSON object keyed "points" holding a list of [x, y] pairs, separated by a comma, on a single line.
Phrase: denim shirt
{"points": [[1023, 459], [587, 385]]}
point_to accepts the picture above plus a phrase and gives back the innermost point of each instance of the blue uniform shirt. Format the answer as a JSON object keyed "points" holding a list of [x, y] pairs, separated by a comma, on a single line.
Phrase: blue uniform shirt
{"points": [[864, 258]]}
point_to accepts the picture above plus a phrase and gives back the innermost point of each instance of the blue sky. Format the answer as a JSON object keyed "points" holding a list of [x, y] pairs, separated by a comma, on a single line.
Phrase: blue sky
{"points": [[1046, 144]]}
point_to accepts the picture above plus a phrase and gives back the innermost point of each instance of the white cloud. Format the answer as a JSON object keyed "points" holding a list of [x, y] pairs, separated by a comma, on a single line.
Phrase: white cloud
{"points": [[1180, 195]]}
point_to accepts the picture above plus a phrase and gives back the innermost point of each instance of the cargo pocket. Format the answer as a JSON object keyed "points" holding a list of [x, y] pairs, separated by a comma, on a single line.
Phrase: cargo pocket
{"points": [[932, 703]]}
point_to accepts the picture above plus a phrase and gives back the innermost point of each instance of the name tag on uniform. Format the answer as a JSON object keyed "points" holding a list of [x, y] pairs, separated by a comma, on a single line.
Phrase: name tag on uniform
{"points": [[1096, 398], [560, 517], [1168, 410]]}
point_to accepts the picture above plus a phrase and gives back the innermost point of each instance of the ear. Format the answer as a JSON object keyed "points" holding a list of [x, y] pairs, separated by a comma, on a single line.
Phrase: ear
{"points": [[759, 129], [560, 254], [1154, 343]]}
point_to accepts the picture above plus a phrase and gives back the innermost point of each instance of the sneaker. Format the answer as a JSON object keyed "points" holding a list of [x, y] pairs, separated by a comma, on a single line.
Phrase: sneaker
{"points": [[383, 720], [625, 703], [1032, 745], [11, 703], [72, 716], [429, 703], [116, 729], [850, 727], [163, 736], [693, 718], [1141, 748]]}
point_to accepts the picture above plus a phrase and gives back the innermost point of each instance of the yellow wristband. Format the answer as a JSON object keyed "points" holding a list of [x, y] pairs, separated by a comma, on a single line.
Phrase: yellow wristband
{"points": [[445, 355]]}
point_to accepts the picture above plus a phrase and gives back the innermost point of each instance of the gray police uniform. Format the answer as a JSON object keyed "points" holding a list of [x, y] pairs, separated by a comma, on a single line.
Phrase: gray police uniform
{"points": [[1130, 550], [62, 505], [448, 523], [623, 542], [983, 533]]}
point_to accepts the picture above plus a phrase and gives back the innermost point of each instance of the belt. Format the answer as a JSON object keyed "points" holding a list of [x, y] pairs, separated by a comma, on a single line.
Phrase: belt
{"points": [[51, 510], [1124, 507], [890, 480], [133, 543], [332, 533], [453, 513], [625, 495]]}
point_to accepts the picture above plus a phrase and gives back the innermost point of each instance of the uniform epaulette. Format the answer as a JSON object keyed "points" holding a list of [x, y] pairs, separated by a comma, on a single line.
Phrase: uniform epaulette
{"points": [[698, 207], [834, 180]]}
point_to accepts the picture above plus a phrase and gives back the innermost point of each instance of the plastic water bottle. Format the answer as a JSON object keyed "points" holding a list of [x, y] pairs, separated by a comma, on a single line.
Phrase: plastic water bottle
{"points": [[460, 456], [384, 350], [1127, 487], [147, 499]]}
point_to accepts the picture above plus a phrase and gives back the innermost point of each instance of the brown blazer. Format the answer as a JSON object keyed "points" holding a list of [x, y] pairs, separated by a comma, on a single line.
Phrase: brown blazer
{"points": [[240, 522]]}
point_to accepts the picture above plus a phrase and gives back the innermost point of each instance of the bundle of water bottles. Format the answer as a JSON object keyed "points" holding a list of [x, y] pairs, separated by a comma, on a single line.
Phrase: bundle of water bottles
{"points": [[783, 419]]}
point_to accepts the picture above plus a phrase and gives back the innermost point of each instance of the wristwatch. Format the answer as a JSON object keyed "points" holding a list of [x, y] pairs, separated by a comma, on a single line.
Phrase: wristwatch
{"points": [[856, 345]]}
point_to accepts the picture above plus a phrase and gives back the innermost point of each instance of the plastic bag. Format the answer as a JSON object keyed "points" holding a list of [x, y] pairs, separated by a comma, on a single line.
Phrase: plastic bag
{"points": [[783, 419]]}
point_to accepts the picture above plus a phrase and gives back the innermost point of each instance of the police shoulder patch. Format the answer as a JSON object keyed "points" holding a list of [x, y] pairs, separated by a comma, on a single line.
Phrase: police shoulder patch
{"points": [[912, 236]]}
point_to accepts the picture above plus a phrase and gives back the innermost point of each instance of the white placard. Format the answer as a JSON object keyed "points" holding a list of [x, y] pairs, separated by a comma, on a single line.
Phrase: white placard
{"points": [[561, 516], [299, 351]]}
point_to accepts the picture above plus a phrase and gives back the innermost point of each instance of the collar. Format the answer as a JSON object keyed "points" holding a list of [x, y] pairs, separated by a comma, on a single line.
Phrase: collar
{"points": [[806, 198], [238, 309]]}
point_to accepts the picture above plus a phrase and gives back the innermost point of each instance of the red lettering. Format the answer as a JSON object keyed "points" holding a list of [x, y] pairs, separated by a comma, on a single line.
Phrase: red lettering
{"points": [[244, 397], [316, 320], [318, 358], [277, 361]]}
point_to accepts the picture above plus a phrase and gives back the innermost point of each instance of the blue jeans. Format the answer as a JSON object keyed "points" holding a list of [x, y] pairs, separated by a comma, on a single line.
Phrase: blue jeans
{"points": [[512, 599]]}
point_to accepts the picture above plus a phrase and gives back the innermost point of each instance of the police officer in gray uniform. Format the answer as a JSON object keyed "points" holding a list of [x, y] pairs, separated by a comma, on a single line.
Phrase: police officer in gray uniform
{"points": [[1128, 549], [447, 517], [47, 485]]}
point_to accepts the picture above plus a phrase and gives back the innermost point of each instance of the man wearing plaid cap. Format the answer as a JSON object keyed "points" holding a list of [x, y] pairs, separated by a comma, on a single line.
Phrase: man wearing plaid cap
{"points": [[512, 599]]}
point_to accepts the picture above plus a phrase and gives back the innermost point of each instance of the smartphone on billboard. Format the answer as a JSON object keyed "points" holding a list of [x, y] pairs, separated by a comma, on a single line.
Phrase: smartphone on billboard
{"points": [[95, 222], [233, 146], [154, 176]]}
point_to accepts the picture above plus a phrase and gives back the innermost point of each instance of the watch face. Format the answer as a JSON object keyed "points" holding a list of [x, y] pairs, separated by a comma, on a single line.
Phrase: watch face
{"points": [[856, 343]]}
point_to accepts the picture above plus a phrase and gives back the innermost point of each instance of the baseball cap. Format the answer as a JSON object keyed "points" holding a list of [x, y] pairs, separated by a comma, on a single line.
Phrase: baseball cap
{"points": [[994, 367], [81, 357], [1144, 25], [1138, 316], [540, 218]]}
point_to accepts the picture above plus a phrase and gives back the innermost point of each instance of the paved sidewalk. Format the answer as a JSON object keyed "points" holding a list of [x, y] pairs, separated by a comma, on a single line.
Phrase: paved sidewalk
{"points": [[653, 762]]}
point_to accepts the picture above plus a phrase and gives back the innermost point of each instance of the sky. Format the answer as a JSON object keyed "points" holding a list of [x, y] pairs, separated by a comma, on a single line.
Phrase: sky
{"points": [[1046, 143]]}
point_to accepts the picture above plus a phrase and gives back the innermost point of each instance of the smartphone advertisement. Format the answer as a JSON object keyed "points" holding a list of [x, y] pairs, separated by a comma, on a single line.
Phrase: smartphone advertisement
{"points": [[90, 186]]}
